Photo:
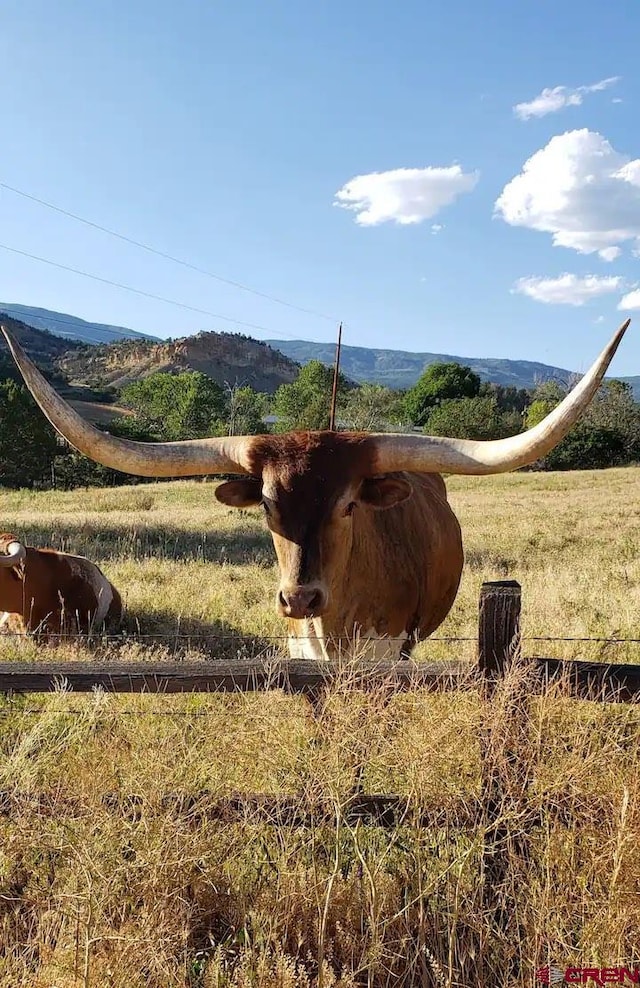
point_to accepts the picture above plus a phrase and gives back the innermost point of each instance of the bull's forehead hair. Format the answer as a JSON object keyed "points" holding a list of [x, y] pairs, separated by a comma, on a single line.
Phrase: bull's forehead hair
{"points": [[330, 457]]}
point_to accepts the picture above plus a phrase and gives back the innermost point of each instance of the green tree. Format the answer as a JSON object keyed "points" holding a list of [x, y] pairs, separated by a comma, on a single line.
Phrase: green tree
{"points": [[372, 408], [245, 411], [439, 382], [614, 409], [546, 396], [587, 447], [508, 397], [306, 402], [607, 435], [177, 406], [8, 369], [72, 469], [28, 444], [472, 418]]}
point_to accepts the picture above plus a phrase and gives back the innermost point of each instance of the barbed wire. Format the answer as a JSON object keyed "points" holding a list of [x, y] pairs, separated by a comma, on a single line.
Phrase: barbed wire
{"points": [[100, 701], [183, 636], [91, 706], [169, 637], [552, 638]]}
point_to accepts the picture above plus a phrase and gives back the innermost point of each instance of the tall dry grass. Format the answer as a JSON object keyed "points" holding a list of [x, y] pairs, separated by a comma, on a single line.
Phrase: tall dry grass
{"points": [[97, 889]]}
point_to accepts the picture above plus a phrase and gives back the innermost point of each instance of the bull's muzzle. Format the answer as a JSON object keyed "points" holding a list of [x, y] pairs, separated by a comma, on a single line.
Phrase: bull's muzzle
{"points": [[301, 602]]}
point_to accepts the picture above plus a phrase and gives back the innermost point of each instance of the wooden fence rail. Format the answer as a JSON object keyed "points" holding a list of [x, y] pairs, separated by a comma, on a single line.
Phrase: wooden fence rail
{"points": [[600, 681], [225, 677]]}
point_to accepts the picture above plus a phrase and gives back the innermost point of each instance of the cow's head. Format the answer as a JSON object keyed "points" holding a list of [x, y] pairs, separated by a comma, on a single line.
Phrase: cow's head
{"points": [[310, 486], [12, 559]]}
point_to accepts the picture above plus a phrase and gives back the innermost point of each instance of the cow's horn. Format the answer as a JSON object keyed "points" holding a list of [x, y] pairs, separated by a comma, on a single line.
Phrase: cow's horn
{"points": [[431, 454], [15, 554], [178, 459]]}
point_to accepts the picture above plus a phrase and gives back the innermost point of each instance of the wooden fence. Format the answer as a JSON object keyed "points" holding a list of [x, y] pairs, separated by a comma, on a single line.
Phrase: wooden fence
{"points": [[503, 783], [499, 646]]}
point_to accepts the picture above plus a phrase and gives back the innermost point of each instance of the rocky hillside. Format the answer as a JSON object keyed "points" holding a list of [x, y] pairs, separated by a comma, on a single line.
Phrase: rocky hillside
{"points": [[43, 348], [225, 357], [91, 375]]}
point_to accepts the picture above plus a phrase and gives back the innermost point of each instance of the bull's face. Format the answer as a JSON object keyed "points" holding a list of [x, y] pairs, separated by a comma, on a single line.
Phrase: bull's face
{"points": [[311, 508]]}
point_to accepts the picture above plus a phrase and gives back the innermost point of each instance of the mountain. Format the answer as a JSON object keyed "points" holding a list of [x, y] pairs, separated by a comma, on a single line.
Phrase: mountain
{"points": [[43, 347], [401, 368], [90, 374], [46, 349], [225, 357], [65, 344], [70, 327]]}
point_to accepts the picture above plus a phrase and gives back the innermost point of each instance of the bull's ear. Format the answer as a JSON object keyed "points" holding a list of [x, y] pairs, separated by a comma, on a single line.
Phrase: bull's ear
{"points": [[240, 493], [385, 492]]}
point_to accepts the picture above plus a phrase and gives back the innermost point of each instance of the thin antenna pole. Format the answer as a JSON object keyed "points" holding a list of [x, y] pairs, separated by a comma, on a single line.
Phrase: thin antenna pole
{"points": [[334, 390]]}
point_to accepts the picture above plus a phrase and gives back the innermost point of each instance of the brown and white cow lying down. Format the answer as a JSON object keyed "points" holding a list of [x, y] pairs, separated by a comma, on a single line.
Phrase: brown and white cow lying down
{"points": [[52, 593], [367, 543]]}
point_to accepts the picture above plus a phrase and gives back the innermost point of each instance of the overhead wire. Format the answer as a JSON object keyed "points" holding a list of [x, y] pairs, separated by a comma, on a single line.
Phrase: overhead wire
{"points": [[136, 291], [31, 312], [166, 256]]}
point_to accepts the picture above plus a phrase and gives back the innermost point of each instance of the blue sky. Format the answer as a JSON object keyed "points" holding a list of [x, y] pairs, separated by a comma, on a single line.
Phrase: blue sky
{"points": [[221, 133]]}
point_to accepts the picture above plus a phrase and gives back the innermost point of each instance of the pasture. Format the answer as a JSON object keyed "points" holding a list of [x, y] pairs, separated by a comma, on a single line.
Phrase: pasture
{"points": [[96, 893]]}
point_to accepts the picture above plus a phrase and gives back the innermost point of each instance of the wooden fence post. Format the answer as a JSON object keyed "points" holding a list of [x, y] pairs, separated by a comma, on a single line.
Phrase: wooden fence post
{"points": [[503, 782], [499, 630]]}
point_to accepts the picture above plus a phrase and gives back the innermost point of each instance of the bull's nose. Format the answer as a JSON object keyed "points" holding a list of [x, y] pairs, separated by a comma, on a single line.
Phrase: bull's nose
{"points": [[301, 602]]}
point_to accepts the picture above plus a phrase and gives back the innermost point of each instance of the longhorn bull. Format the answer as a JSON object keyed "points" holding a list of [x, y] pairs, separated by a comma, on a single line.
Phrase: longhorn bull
{"points": [[366, 541]]}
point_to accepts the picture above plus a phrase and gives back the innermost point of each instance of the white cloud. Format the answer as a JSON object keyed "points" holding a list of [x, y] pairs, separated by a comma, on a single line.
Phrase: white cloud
{"points": [[404, 195], [579, 189], [609, 253], [567, 289], [436, 228], [630, 301], [552, 100]]}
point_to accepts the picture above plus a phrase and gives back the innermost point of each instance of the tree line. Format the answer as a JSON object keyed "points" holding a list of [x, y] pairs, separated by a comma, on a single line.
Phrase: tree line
{"points": [[448, 400]]}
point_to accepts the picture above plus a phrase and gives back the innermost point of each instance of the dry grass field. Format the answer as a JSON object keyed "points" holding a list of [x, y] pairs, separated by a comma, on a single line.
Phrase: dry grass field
{"points": [[95, 894]]}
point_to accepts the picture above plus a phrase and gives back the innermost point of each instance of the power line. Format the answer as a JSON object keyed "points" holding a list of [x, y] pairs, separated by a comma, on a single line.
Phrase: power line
{"points": [[30, 313], [165, 256], [136, 291]]}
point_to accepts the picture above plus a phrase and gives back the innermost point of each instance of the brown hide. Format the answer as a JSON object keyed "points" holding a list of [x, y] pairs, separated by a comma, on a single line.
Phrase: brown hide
{"points": [[406, 562], [53, 592], [363, 554]]}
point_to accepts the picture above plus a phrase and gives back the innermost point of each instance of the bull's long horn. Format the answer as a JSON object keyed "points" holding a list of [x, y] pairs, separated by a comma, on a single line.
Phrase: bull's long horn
{"points": [[15, 553], [433, 454], [178, 459]]}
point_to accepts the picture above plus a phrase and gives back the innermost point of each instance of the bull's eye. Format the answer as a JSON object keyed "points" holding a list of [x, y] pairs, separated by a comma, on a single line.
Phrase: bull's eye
{"points": [[349, 508], [267, 509]]}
